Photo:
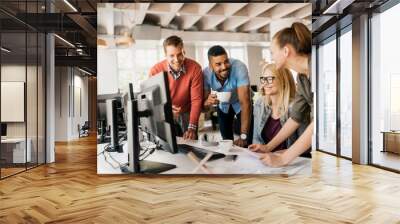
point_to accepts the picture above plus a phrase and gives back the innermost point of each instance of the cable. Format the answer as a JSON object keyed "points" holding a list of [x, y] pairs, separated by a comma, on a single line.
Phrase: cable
{"points": [[148, 147]]}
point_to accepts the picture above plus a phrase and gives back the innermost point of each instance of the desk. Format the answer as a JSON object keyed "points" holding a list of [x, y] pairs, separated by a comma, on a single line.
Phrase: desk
{"points": [[13, 150], [244, 164], [391, 141]]}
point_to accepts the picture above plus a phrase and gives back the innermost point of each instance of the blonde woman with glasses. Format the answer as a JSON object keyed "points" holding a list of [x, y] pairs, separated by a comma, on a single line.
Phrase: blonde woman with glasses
{"points": [[291, 49], [272, 109]]}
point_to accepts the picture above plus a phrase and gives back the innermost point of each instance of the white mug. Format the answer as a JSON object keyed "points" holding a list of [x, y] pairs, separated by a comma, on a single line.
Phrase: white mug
{"points": [[225, 145], [224, 97]]}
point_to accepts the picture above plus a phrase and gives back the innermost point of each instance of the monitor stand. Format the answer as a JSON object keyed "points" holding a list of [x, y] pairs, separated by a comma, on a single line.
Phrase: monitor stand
{"points": [[150, 167], [135, 165], [116, 148]]}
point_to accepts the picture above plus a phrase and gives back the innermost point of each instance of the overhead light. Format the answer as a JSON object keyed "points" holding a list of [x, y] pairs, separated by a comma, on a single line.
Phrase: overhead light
{"points": [[5, 49], [101, 43], [123, 36], [84, 71], [65, 41], [70, 5]]}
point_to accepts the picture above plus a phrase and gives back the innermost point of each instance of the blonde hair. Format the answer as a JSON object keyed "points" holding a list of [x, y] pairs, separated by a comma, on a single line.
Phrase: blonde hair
{"points": [[286, 87]]}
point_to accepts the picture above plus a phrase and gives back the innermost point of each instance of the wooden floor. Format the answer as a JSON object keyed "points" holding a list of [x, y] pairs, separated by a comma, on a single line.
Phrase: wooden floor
{"points": [[386, 159], [70, 191]]}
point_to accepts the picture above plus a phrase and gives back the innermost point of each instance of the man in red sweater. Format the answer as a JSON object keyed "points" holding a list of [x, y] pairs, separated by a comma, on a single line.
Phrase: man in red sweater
{"points": [[185, 78]]}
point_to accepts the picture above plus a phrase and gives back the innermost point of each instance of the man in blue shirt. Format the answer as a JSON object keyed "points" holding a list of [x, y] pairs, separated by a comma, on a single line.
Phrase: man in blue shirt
{"points": [[228, 75]]}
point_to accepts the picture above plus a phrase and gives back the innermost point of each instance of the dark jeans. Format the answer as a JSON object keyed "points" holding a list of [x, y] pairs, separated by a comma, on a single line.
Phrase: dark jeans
{"points": [[228, 125]]}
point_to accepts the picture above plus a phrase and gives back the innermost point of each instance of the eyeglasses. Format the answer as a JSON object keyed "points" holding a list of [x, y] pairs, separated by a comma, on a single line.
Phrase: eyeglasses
{"points": [[267, 79]]}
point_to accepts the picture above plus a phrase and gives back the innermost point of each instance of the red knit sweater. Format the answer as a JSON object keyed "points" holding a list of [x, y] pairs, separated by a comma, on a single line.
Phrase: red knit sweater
{"points": [[187, 90]]}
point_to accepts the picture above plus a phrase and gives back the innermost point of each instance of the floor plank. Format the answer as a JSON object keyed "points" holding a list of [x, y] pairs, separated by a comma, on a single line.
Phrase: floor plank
{"points": [[70, 191]]}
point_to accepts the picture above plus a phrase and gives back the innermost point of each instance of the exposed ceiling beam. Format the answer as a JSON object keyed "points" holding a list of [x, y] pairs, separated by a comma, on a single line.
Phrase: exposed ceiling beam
{"points": [[189, 20], [233, 22], [302, 12], [84, 24], [254, 10], [83, 61], [193, 12], [282, 10], [254, 24], [205, 8], [230, 9], [210, 22], [167, 18]]}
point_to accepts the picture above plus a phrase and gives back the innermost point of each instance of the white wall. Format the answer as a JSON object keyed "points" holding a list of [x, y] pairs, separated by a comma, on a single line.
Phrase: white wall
{"points": [[107, 71], [67, 116], [190, 50], [254, 54]]}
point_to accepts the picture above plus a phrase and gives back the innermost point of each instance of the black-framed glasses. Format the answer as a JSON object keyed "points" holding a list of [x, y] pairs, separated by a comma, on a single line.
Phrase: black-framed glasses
{"points": [[267, 79]]}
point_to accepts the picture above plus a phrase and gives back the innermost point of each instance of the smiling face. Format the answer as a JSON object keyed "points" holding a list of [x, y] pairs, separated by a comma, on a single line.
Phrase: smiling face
{"points": [[279, 55], [270, 83], [220, 65], [175, 56]]}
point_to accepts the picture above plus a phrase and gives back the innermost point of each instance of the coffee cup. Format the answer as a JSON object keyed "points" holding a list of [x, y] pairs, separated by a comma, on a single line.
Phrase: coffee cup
{"points": [[224, 97], [225, 145]]}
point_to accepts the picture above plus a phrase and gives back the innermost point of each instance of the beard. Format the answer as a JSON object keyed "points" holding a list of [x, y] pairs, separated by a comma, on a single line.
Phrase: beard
{"points": [[224, 74]]}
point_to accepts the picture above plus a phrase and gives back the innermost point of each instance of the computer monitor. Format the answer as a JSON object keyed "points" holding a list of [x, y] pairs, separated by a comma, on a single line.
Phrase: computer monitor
{"points": [[3, 130], [110, 121], [101, 121], [155, 97], [151, 108]]}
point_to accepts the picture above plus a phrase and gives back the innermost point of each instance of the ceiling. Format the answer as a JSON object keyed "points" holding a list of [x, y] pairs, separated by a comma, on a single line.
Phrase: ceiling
{"points": [[226, 17]]}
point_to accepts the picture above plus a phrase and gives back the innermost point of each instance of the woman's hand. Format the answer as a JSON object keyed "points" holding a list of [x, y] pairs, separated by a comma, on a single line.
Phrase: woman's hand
{"points": [[258, 148], [273, 159]]}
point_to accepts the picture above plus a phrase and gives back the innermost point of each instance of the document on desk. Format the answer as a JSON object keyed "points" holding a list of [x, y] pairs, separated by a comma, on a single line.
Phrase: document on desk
{"points": [[252, 165], [236, 150], [248, 162]]}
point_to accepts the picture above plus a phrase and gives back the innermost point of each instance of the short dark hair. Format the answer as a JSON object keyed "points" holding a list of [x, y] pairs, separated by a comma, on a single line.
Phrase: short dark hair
{"points": [[216, 51], [174, 41]]}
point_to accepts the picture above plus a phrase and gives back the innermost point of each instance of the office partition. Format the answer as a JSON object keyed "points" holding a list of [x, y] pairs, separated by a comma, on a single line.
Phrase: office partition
{"points": [[22, 78]]}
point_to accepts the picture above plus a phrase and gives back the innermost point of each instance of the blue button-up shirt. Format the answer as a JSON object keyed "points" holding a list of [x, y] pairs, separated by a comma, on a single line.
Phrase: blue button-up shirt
{"points": [[238, 76]]}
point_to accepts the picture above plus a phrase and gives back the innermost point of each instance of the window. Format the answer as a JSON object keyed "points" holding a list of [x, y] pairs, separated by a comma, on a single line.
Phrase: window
{"points": [[135, 63], [346, 94], [327, 96], [237, 52], [385, 89], [266, 54]]}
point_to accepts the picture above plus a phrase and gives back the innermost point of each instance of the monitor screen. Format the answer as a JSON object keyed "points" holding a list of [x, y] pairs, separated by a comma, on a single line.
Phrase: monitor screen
{"points": [[3, 129]]}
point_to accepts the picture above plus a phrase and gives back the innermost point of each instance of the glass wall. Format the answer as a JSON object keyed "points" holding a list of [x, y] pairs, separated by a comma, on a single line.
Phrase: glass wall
{"points": [[346, 92], [385, 89], [22, 91], [326, 102]]}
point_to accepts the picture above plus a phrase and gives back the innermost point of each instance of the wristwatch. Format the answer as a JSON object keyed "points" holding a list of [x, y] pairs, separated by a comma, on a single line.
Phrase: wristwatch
{"points": [[243, 136]]}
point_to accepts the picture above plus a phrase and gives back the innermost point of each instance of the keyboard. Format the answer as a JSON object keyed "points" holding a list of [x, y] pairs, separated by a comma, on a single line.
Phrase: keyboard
{"points": [[199, 152]]}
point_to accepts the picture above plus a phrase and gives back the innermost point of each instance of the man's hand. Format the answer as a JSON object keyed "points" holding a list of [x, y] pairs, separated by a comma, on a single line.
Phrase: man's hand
{"points": [[211, 100], [190, 134], [258, 148], [240, 142], [274, 159], [176, 111]]}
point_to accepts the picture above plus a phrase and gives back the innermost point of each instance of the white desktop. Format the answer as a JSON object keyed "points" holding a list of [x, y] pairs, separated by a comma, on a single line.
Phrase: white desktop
{"points": [[244, 163]]}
